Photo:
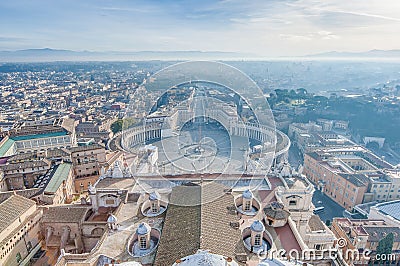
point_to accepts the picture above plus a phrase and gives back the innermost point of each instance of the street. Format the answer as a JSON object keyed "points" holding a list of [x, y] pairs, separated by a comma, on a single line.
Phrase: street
{"points": [[332, 209], [295, 158]]}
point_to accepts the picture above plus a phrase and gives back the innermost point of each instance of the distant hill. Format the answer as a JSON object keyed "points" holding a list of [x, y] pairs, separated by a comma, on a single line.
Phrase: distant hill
{"points": [[367, 54], [48, 54], [51, 55]]}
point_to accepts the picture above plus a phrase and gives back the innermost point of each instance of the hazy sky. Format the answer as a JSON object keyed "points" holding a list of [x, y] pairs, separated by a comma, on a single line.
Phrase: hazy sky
{"points": [[270, 28]]}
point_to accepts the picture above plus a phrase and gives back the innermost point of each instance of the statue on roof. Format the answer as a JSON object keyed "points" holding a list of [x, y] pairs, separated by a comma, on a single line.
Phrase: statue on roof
{"points": [[117, 171], [91, 189]]}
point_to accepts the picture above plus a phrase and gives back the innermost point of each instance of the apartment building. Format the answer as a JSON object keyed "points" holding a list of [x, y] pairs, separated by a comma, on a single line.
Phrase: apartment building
{"points": [[336, 179], [352, 175], [364, 234], [19, 228], [87, 162]]}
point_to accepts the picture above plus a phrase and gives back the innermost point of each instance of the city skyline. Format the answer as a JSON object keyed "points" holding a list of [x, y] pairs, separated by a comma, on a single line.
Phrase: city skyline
{"points": [[263, 28]]}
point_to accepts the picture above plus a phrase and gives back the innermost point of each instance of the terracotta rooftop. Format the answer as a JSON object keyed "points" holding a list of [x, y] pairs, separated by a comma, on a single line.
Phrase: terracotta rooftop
{"points": [[378, 233], [93, 146], [181, 232], [186, 195], [287, 238], [375, 229], [12, 208], [57, 152], [64, 214], [27, 193], [207, 226], [28, 164], [276, 213], [275, 182], [315, 223], [359, 180], [217, 235], [266, 196]]}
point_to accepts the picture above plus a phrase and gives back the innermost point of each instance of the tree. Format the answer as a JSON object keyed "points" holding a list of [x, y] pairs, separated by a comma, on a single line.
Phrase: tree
{"points": [[117, 126], [122, 124], [385, 246], [293, 94], [302, 91]]}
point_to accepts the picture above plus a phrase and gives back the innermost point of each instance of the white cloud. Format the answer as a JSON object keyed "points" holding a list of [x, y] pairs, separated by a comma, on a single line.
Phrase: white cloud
{"points": [[312, 36], [273, 27]]}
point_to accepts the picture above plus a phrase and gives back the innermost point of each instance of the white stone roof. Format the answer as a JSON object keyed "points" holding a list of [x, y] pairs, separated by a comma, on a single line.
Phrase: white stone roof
{"points": [[117, 172], [204, 258], [298, 184]]}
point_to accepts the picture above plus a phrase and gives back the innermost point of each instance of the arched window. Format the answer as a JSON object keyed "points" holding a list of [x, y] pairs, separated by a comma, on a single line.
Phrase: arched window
{"points": [[143, 242], [257, 240], [247, 205], [154, 208]]}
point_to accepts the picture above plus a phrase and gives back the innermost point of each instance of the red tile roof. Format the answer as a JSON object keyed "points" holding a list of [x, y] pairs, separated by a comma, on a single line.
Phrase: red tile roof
{"points": [[287, 238]]}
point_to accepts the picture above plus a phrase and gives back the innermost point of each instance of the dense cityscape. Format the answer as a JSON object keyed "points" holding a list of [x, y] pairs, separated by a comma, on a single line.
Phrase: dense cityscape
{"points": [[80, 173]]}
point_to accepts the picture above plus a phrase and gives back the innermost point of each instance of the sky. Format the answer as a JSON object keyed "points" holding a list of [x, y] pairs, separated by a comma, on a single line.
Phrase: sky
{"points": [[259, 27]]}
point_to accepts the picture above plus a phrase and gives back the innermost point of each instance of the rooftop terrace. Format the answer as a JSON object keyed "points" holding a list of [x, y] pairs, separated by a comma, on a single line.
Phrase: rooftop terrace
{"points": [[39, 136]]}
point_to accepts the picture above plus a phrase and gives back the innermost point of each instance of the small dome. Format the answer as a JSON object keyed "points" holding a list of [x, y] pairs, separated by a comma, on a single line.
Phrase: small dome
{"points": [[143, 229], [276, 211], [247, 194], [154, 196], [112, 219], [257, 226], [204, 258]]}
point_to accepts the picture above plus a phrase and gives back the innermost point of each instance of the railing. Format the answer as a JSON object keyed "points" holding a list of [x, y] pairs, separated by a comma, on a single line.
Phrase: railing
{"points": [[296, 233]]}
